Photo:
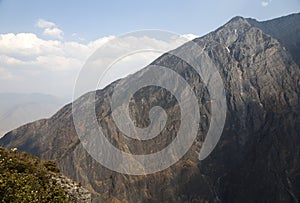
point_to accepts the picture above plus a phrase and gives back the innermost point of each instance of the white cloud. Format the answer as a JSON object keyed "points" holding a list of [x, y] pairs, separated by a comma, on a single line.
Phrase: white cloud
{"points": [[8, 60], [265, 3], [54, 32], [53, 65], [41, 23], [189, 36], [27, 44], [50, 29]]}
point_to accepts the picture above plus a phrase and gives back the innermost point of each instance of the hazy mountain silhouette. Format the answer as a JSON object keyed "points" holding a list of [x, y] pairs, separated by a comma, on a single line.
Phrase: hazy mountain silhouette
{"points": [[17, 109], [258, 156]]}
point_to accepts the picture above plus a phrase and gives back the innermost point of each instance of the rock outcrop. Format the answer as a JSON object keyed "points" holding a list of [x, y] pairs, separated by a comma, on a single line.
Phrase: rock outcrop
{"points": [[75, 192], [257, 158]]}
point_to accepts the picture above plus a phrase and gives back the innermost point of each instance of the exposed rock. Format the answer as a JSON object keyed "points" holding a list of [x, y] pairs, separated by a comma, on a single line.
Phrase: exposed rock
{"points": [[75, 191], [257, 158], [286, 30]]}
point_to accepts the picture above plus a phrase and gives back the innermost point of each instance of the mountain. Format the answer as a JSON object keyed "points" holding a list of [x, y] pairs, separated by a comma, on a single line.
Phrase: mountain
{"points": [[17, 109], [257, 157], [286, 30]]}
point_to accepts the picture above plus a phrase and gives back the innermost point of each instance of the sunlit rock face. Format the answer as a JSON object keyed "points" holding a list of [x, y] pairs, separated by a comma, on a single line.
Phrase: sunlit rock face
{"points": [[257, 157]]}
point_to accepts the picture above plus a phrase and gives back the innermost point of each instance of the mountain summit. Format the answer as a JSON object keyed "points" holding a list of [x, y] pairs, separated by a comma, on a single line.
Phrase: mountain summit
{"points": [[257, 158]]}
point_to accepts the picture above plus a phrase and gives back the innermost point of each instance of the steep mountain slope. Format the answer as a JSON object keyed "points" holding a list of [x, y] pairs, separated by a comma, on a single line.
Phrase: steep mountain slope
{"points": [[257, 158], [286, 30]]}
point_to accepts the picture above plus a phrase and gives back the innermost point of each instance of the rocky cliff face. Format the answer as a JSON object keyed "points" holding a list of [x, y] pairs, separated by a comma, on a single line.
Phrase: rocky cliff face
{"points": [[74, 191], [257, 158], [286, 30]]}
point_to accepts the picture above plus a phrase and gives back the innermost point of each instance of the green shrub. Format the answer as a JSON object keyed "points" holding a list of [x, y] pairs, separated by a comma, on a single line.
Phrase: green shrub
{"points": [[24, 178]]}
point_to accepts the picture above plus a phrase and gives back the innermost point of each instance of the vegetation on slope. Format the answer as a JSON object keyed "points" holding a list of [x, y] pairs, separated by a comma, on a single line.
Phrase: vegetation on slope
{"points": [[24, 178]]}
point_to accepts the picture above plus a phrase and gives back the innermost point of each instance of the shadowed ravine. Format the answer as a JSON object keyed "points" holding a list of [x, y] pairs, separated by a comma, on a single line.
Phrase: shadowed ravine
{"points": [[257, 158]]}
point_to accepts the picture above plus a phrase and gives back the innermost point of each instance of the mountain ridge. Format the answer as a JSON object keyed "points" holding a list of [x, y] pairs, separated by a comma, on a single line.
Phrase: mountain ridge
{"points": [[286, 29], [262, 84]]}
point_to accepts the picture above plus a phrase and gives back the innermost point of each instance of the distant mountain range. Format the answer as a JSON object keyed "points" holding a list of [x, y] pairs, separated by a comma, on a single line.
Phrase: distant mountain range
{"points": [[258, 156], [17, 109]]}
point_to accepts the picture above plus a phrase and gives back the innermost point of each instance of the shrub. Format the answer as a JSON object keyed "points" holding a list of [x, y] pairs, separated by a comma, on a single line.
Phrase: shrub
{"points": [[24, 178]]}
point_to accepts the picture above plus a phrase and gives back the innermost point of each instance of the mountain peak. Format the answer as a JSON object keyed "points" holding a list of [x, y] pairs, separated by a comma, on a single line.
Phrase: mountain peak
{"points": [[260, 137], [237, 19], [236, 22]]}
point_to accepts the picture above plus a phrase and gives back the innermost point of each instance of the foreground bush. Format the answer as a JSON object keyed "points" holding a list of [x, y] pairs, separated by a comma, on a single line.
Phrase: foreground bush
{"points": [[24, 178]]}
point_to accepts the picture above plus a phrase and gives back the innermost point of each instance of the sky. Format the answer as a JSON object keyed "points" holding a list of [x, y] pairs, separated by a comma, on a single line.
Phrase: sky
{"points": [[44, 44]]}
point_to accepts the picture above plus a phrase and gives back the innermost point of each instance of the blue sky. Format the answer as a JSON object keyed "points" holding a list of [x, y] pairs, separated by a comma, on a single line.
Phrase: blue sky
{"points": [[44, 44], [94, 19]]}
